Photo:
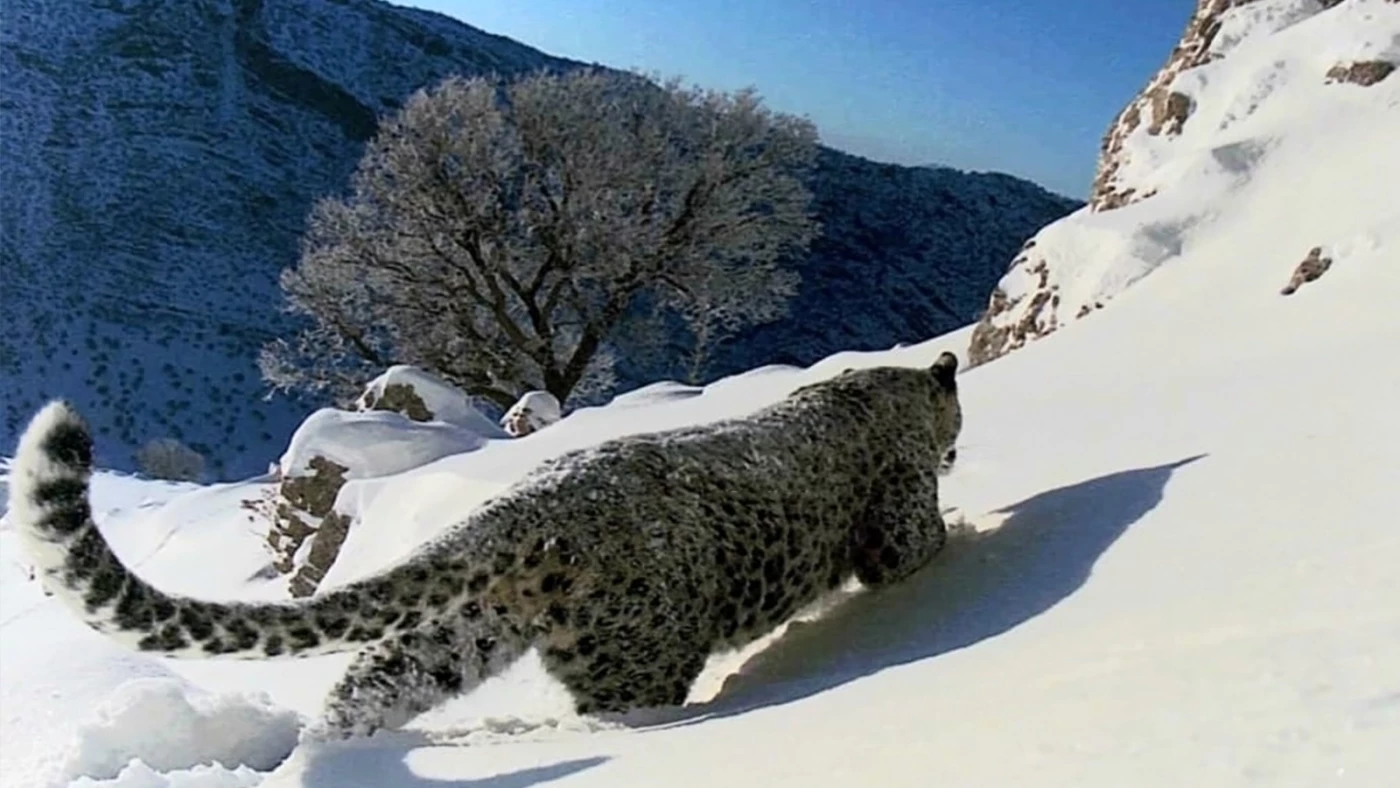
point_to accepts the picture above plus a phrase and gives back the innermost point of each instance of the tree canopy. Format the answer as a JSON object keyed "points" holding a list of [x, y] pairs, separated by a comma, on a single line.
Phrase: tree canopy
{"points": [[503, 235]]}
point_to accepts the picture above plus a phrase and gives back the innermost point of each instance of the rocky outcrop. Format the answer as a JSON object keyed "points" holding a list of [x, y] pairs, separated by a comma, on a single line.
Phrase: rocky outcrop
{"points": [[531, 413], [1164, 110], [1312, 267], [405, 419], [1035, 312], [1010, 321], [1156, 145], [303, 508], [399, 398], [1364, 72], [1038, 317]]}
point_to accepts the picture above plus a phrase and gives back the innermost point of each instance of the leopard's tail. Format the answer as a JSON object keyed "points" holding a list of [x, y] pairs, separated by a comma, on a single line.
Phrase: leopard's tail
{"points": [[49, 510]]}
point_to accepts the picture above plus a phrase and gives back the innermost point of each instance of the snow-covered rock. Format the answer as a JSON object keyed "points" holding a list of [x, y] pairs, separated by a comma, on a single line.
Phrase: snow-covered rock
{"points": [[531, 413], [1250, 84], [422, 396], [378, 443], [333, 447]]}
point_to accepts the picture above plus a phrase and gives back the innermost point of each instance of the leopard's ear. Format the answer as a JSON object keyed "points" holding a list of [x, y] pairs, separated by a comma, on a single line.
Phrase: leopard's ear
{"points": [[945, 369]]}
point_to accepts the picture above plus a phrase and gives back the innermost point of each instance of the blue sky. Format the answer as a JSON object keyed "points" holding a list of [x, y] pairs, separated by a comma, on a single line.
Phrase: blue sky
{"points": [[1020, 86]]}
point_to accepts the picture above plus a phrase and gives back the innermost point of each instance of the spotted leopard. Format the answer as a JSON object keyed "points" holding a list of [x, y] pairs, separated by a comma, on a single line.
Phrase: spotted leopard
{"points": [[625, 564]]}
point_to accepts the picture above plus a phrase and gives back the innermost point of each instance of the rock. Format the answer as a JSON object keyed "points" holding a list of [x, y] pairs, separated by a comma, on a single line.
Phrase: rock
{"points": [[399, 398], [1169, 112], [1312, 267], [314, 492], [424, 397], [325, 548], [531, 413], [304, 509], [1362, 72]]}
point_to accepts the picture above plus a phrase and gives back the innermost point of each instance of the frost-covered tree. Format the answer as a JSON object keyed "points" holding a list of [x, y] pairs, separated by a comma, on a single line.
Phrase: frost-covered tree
{"points": [[503, 236]]}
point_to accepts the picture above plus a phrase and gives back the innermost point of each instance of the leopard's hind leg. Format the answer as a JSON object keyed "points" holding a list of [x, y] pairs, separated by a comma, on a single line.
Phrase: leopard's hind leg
{"points": [[617, 666], [394, 681]]}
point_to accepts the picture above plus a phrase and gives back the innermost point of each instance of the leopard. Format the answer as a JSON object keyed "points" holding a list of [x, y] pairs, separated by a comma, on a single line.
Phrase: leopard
{"points": [[624, 565]]}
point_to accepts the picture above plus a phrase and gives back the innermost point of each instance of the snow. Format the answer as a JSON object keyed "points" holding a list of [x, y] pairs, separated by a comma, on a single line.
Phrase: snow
{"points": [[163, 725], [417, 504], [138, 775], [1182, 573], [1178, 564], [76, 709]]}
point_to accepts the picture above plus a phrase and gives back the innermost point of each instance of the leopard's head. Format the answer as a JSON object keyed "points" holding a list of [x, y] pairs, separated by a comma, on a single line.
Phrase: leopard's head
{"points": [[947, 410]]}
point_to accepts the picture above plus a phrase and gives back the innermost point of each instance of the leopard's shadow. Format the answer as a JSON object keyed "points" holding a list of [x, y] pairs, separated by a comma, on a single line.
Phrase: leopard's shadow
{"points": [[984, 585], [380, 762]]}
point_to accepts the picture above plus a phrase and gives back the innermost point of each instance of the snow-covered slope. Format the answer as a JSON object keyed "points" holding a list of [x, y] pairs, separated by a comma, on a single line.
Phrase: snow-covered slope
{"points": [[1182, 573], [1255, 88], [1179, 567], [160, 157]]}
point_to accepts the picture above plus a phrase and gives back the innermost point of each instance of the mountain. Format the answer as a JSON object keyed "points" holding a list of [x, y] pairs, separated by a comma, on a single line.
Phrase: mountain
{"points": [[1251, 82], [161, 156], [1176, 560], [908, 253]]}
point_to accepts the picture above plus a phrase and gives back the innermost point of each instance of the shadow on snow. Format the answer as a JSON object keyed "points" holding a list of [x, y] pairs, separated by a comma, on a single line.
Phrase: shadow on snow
{"points": [[379, 763], [982, 586]]}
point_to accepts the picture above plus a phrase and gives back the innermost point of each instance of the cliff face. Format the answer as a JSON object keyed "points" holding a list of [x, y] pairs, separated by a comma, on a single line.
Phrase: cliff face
{"points": [[1161, 108], [1246, 75], [160, 157]]}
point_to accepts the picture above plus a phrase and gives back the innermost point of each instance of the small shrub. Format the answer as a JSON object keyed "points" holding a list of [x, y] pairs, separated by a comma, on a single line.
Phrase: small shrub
{"points": [[168, 458]]}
